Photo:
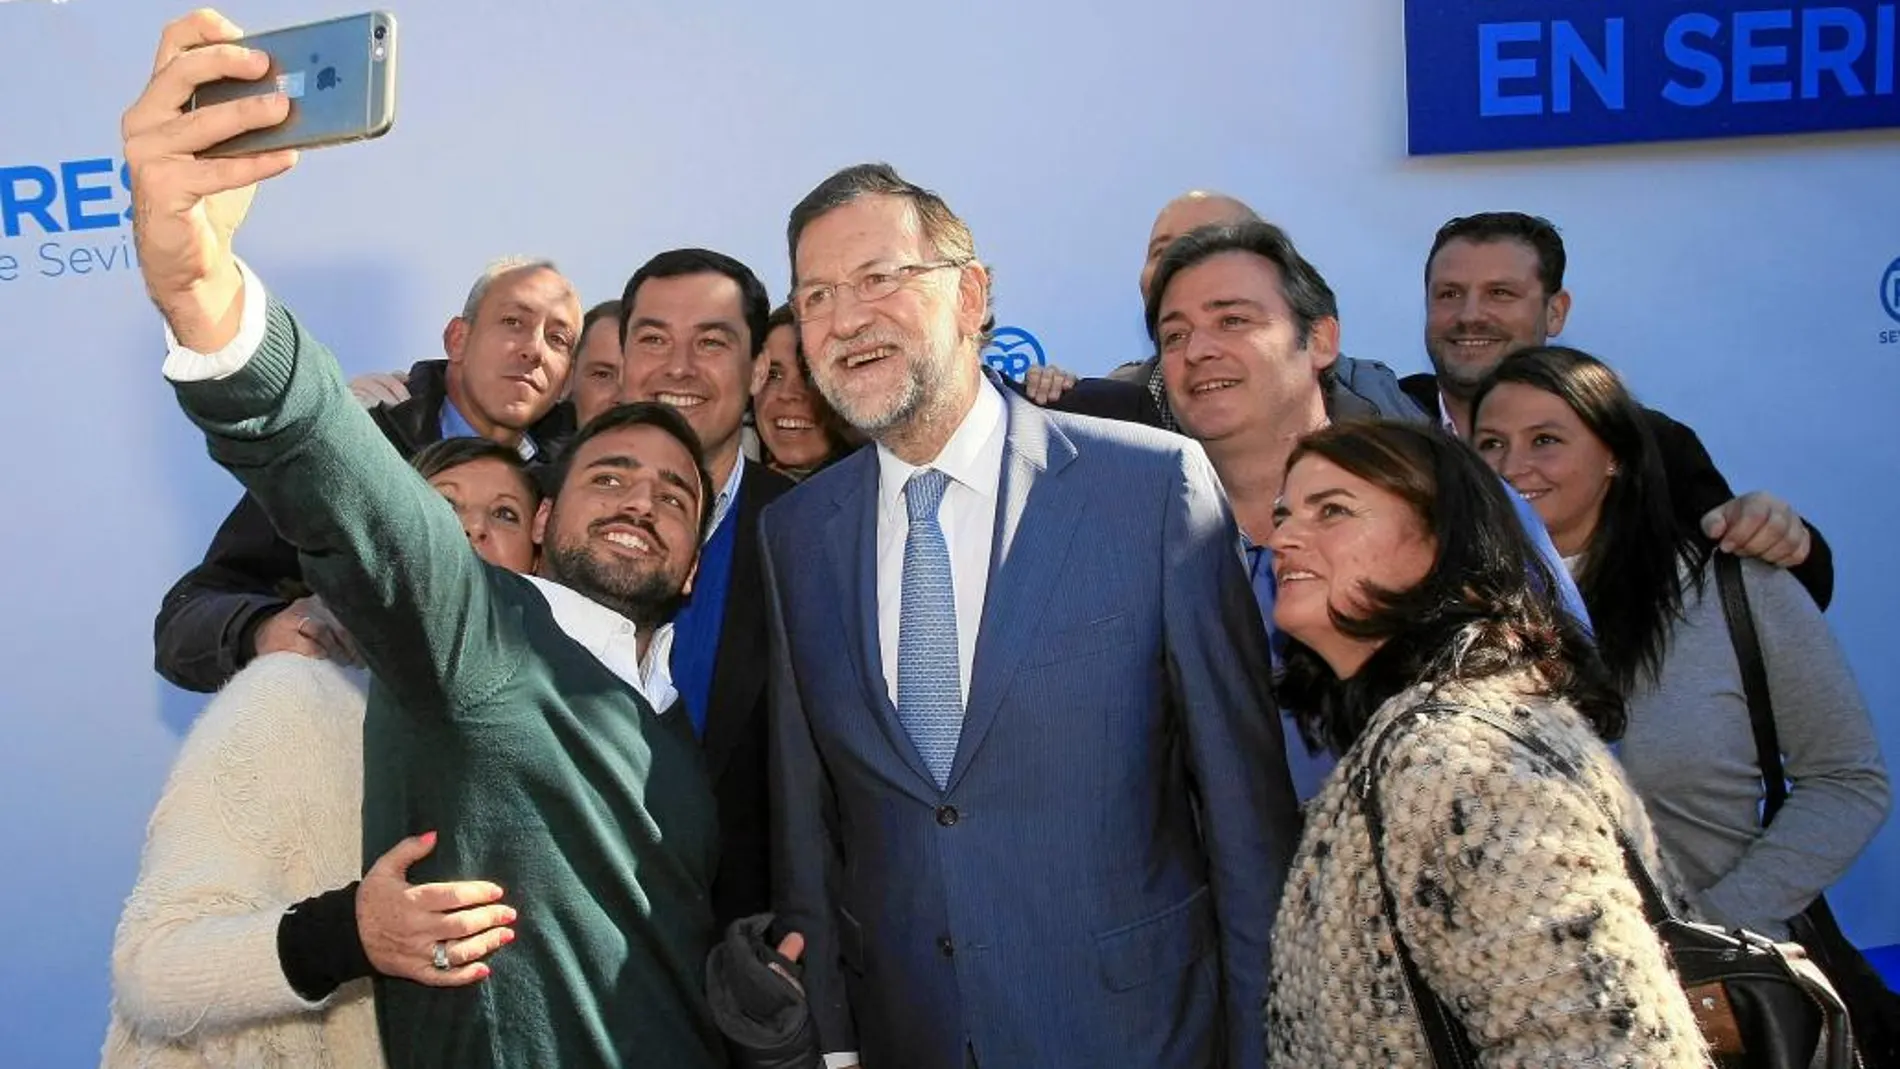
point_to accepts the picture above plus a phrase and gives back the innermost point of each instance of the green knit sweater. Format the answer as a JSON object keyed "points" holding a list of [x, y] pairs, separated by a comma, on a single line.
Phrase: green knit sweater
{"points": [[542, 770]]}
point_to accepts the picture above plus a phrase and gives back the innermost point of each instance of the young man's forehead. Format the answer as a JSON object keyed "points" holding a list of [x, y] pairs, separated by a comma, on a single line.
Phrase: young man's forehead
{"points": [[641, 447]]}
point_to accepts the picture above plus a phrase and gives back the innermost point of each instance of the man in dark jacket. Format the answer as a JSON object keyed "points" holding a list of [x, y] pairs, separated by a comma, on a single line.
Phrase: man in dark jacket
{"points": [[694, 323], [1135, 392], [1494, 284], [508, 352]]}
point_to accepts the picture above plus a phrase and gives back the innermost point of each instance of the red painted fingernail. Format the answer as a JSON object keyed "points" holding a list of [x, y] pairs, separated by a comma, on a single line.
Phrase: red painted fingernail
{"points": [[428, 838], [481, 972], [507, 937]]}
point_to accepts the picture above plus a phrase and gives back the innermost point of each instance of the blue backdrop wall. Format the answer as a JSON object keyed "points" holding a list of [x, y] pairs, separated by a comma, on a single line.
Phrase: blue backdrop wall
{"points": [[1738, 283]]}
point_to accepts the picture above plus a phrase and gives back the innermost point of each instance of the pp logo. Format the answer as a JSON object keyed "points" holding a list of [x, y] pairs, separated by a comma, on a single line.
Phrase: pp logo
{"points": [[1013, 351], [326, 78], [1890, 290]]}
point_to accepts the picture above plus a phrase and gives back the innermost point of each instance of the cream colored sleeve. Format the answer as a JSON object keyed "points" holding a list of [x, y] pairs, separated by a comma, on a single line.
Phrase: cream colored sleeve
{"points": [[196, 948]]}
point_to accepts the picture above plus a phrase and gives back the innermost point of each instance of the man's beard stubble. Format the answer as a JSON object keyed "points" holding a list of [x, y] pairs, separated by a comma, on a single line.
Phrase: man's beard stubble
{"points": [[927, 381], [643, 595]]}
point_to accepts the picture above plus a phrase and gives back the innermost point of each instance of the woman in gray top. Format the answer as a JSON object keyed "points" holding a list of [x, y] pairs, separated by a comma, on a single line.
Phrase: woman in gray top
{"points": [[1565, 432]]}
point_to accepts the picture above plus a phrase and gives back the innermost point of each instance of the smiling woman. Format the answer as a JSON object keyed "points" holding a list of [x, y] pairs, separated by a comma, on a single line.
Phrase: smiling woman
{"points": [[1564, 430], [1338, 541], [1420, 620], [799, 432]]}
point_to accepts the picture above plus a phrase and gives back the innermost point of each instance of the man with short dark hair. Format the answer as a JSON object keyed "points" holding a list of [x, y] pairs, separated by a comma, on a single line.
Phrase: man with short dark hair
{"points": [[595, 385], [1494, 284], [1352, 384], [1031, 804], [508, 353], [519, 715], [694, 322], [1246, 329]]}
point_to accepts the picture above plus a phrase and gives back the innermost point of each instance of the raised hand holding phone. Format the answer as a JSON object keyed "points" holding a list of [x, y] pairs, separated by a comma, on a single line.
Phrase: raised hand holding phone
{"points": [[185, 207], [339, 76]]}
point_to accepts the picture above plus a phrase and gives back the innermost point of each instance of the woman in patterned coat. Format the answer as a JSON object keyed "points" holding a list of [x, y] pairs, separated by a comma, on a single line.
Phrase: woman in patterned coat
{"points": [[1420, 625]]}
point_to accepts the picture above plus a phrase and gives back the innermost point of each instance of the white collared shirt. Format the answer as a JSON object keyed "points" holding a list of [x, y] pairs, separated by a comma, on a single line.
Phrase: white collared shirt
{"points": [[1444, 416], [606, 634], [189, 365], [614, 641], [722, 501], [973, 459]]}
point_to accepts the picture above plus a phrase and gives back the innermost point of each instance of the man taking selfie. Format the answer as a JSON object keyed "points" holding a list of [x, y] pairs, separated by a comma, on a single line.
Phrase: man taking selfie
{"points": [[518, 715]]}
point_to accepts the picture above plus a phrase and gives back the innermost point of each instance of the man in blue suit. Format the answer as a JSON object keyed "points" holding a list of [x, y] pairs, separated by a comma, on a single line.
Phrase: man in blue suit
{"points": [[1031, 801]]}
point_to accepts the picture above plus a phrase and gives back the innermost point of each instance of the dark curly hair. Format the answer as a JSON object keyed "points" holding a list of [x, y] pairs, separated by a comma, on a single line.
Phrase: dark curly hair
{"points": [[1487, 606]]}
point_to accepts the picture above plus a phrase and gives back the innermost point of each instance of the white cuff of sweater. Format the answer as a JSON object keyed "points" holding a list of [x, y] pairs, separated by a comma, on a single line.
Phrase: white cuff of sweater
{"points": [[844, 1060], [189, 365]]}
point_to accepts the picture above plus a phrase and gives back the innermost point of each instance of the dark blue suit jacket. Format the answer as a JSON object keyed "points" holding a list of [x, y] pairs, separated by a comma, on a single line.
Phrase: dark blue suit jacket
{"points": [[1096, 885]]}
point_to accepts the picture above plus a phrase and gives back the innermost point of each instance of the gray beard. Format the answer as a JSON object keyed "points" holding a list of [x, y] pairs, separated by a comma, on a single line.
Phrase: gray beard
{"points": [[873, 425], [928, 381]]}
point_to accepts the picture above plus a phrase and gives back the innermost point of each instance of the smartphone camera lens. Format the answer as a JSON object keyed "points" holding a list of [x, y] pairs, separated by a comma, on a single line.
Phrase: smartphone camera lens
{"points": [[381, 32]]}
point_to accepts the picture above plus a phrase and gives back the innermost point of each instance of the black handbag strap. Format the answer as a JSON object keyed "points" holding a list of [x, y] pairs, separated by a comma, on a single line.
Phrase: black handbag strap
{"points": [[1761, 712], [1761, 718], [1449, 1044], [1450, 1047]]}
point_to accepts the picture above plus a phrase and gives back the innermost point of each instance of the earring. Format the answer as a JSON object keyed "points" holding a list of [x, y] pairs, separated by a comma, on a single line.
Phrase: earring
{"points": [[1611, 473]]}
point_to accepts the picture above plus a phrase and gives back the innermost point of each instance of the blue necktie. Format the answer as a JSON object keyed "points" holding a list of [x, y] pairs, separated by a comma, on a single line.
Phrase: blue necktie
{"points": [[1260, 577], [929, 684]]}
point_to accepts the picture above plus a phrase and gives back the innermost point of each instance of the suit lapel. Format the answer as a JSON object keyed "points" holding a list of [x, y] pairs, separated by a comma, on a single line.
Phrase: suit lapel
{"points": [[851, 542], [1037, 515], [738, 676]]}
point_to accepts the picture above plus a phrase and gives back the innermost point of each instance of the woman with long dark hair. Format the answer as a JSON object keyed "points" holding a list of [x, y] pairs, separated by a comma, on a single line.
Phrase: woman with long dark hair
{"points": [[1565, 432], [798, 432], [1471, 714]]}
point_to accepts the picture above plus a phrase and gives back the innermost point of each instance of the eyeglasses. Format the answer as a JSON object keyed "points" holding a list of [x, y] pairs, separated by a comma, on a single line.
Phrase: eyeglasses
{"points": [[817, 300]]}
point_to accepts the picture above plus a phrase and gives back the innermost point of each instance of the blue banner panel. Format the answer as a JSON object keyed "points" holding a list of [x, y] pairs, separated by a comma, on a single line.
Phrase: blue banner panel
{"points": [[1489, 75]]}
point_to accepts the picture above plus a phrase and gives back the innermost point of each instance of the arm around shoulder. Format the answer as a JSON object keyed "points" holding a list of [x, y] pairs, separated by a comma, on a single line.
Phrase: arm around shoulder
{"points": [[1699, 488]]}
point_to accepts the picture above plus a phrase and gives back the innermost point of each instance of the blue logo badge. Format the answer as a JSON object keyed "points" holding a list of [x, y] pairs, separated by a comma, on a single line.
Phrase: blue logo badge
{"points": [[1890, 290], [1013, 351]]}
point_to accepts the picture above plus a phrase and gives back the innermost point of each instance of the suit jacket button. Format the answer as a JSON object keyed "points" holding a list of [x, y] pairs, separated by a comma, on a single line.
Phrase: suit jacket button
{"points": [[948, 816], [948, 948]]}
